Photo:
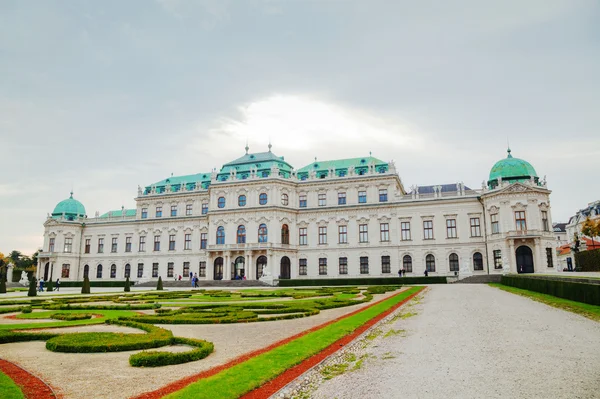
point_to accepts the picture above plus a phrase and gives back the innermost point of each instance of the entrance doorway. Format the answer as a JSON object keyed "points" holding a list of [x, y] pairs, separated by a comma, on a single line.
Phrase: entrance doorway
{"points": [[261, 264], [524, 259], [46, 270], [218, 269], [238, 269], [285, 269]]}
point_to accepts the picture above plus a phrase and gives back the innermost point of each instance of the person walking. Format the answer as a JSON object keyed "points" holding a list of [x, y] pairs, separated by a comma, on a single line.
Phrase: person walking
{"points": [[41, 289], [193, 280], [399, 272], [196, 281], [57, 285]]}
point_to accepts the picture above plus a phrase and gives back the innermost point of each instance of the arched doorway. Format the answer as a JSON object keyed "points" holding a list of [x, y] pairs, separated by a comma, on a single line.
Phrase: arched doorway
{"points": [[46, 271], [285, 269], [524, 259], [261, 263], [218, 269], [238, 271], [86, 271]]}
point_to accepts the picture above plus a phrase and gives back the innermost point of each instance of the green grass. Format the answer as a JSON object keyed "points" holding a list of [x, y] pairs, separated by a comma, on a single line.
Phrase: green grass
{"points": [[106, 314], [8, 388], [589, 311], [246, 376]]}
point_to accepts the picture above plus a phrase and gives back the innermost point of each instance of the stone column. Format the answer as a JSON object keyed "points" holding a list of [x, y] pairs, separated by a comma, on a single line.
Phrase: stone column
{"points": [[248, 266], [538, 265], [227, 266], [512, 256]]}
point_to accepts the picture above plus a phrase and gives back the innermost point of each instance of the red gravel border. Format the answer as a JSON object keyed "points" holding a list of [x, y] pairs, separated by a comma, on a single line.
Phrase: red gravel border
{"points": [[279, 382], [32, 386]]}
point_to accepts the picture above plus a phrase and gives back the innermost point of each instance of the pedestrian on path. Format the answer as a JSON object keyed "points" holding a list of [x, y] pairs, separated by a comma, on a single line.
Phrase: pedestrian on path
{"points": [[57, 285], [41, 289], [196, 281]]}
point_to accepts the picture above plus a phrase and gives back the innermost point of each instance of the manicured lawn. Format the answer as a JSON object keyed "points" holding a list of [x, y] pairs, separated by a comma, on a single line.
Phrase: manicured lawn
{"points": [[8, 388], [246, 376], [589, 311], [107, 314]]}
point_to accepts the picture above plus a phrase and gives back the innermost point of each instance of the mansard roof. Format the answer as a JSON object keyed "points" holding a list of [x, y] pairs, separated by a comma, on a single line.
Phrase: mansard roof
{"points": [[446, 188], [118, 213], [176, 183], [341, 166]]}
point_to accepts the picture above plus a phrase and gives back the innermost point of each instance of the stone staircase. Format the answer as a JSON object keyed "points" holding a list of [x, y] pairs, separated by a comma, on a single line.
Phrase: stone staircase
{"points": [[480, 279], [207, 283]]}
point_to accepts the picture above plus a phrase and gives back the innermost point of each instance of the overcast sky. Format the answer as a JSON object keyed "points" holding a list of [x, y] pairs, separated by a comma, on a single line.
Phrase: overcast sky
{"points": [[103, 96]]}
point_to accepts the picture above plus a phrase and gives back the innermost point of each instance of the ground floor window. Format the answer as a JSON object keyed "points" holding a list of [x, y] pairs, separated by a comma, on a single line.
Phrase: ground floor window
{"points": [[344, 265], [170, 267], [99, 271], [202, 269], [140, 270], [155, 270], [302, 267], [186, 269], [430, 263], [477, 261], [322, 266], [364, 265], [453, 259], [385, 264], [127, 270], [113, 271], [65, 271], [497, 259], [549, 257], [407, 264]]}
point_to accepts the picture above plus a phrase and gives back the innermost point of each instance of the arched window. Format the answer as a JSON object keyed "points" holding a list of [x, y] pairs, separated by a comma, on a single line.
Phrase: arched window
{"points": [[453, 259], [477, 261], [285, 234], [241, 234], [262, 198], [99, 271], [407, 263], [113, 271], [221, 202], [242, 200], [127, 270], [262, 233], [86, 271], [220, 235], [430, 263], [285, 199]]}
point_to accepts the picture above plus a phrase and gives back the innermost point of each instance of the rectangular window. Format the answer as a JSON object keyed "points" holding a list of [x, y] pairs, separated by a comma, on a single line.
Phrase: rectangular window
{"points": [[383, 195], [495, 224], [127, 244], [549, 260], [363, 233], [87, 245], [204, 208], [405, 226], [303, 236], [451, 228], [51, 245], [322, 266], [173, 210], [203, 240], [170, 267], [384, 232], [302, 267], [343, 234], [475, 227], [157, 243], [362, 197], [520, 221], [144, 213], [202, 271], [364, 265], [341, 198], [155, 270], [100, 245], [159, 211], [322, 199], [172, 242], [142, 247], [140, 270], [545, 221], [322, 235], [65, 271], [68, 244], [386, 266], [428, 230], [186, 269], [303, 201], [188, 210], [113, 245], [188, 241], [497, 259], [343, 265]]}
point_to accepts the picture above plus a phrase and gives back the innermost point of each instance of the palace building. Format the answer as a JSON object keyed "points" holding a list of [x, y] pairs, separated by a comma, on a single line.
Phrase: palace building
{"points": [[340, 218]]}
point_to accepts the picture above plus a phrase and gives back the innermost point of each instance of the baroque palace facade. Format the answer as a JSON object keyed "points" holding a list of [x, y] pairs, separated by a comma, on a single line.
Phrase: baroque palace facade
{"points": [[344, 218]]}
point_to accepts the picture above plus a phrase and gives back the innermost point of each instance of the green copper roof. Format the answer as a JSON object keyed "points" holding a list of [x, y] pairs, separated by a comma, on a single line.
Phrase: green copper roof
{"points": [[119, 213], [176, 183], [70, 208], [261, 161], [511, 169], [341, 166]]}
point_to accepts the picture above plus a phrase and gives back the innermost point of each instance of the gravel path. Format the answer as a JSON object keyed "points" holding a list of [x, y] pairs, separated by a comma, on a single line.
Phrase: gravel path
{"points": [[474, 341]]}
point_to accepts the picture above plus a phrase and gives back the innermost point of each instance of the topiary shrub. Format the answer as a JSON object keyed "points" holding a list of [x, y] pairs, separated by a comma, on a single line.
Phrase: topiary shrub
{"points": [[32, 287], [49, 286], [26, 309], [159, 285], [2, 284], [127, 285], [85, 288]]}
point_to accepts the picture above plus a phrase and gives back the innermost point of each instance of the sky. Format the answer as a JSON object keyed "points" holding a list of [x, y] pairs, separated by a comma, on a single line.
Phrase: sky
{"points": [[99, 97]]}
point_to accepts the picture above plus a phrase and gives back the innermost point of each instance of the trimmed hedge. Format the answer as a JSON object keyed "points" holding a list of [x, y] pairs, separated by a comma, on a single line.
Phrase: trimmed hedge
{"points": [[7, 337], [156, 358], [119, 284], [574, 291], [363, 281], [12, 309], [71, 316], [143, 306], [588, 261]]}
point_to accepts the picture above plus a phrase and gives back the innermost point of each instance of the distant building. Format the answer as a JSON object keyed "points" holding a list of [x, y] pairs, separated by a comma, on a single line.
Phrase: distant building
{"points": [[575, 222], [560, 232]]}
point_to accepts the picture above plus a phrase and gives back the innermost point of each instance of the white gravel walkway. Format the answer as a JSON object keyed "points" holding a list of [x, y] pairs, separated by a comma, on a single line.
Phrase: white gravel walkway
{"points": [[475, 341]]}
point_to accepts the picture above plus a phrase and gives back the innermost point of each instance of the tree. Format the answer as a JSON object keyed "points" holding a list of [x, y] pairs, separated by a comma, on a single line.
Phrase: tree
{"points": [[32, 287], [2, 283], [589, 229], [3, 271], [127, 285], [159, 286], [85, 288]]}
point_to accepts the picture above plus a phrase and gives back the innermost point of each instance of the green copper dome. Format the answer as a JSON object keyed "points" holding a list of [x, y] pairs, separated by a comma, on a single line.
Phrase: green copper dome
{"points": [[70, 208], [512, 170]]}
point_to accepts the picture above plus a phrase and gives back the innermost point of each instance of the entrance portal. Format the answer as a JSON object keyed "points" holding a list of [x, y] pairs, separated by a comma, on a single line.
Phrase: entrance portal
{"points": [[285, 269], [261, 264], [238, 270], [524, 259], [218, 269]]}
